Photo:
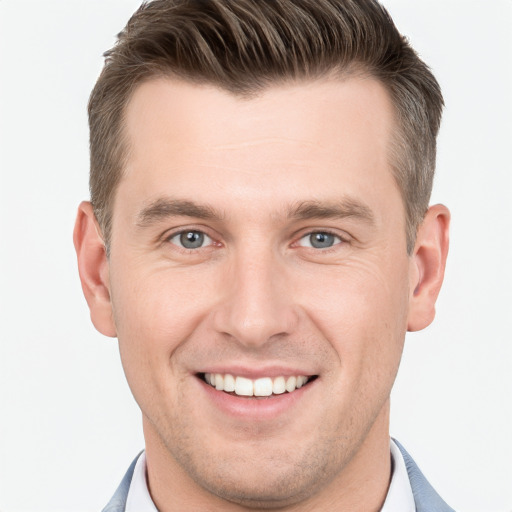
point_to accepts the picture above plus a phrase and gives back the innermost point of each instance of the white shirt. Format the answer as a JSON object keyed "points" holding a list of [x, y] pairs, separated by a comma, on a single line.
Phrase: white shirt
{"points": [[138, 499], [398, 499]]}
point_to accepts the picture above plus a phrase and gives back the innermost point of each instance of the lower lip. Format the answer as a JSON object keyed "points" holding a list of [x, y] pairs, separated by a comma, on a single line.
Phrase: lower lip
{"points": [[255, 408]]}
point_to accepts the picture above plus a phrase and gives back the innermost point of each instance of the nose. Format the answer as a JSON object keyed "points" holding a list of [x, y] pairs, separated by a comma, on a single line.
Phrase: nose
{"points": [[257, 305]]}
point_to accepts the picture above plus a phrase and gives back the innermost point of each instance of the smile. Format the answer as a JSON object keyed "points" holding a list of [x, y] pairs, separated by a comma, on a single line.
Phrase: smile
{"points": [[265, 386]]}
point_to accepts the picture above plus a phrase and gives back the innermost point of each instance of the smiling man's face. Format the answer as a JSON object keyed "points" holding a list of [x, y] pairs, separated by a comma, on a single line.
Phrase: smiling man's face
{"points": [[257, 244]]}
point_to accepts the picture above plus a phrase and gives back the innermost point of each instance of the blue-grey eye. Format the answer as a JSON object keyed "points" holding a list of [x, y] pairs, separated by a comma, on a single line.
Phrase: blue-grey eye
{"points": [[319, 240], [191, 239]]}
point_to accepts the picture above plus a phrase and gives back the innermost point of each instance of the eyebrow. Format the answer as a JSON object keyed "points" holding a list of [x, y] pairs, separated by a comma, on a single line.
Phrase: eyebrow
{"points": [[166, 207], [346, 208]]}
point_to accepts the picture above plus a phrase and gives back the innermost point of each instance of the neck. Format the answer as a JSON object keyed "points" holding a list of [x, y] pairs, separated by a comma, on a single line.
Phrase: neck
{"points": [[360, 486]]}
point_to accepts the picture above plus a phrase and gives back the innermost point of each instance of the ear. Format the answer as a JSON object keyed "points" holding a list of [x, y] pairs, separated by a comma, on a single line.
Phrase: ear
{"points": [[93, 269], [428, 262]]}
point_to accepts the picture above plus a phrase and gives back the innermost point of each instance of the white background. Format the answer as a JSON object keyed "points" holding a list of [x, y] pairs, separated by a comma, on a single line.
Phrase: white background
{"points": [[68, 424]]}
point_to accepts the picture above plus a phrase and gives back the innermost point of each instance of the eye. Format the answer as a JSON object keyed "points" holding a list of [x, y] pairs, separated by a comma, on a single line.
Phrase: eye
{"points": [[190, 239], [319, 240]]}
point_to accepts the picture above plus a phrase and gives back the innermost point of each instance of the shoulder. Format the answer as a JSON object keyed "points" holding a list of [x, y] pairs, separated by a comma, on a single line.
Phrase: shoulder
{"points": [[425, 496], [118, 501]]}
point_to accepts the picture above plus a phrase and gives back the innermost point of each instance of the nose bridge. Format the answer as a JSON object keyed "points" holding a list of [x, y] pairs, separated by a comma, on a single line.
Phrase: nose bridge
{"points": [[257, 304]]}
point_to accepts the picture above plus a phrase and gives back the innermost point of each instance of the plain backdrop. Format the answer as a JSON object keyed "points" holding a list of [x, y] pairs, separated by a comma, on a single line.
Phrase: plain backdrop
{"points": [[68, 425]]}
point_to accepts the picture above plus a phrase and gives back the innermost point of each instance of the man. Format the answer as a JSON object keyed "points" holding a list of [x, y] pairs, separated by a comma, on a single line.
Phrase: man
{"points": [[259, 240]]}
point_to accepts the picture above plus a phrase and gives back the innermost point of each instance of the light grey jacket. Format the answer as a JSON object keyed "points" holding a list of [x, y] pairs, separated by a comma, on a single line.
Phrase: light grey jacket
{"points": [[425, 497]]}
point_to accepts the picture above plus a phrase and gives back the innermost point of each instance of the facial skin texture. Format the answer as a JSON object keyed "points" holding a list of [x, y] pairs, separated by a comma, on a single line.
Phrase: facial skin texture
{"points": [[256, 300]]}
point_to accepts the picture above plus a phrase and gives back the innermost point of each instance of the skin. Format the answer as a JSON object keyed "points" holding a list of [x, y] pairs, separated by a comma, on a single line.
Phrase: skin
{"points": [[256, 296]]}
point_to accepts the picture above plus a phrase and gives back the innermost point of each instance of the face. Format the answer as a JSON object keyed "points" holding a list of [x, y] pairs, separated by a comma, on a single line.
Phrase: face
{"points": [[261, 241]]}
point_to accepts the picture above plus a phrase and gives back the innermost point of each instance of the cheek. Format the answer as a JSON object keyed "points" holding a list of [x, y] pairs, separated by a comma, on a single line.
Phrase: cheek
{"points": [[158, 304], [361, 310], [155, 313]]}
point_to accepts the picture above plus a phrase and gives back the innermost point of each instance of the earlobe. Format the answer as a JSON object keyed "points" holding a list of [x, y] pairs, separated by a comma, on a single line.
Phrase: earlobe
{"points": [[428, 262], [93, 269]]}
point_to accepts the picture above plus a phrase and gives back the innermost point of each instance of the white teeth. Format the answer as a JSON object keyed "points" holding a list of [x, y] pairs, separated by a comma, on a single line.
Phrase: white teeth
{"points": [[219, 382], [264, 386], [301, 380], [279, 386], [229, 383], [244, 387], [291, 384]]}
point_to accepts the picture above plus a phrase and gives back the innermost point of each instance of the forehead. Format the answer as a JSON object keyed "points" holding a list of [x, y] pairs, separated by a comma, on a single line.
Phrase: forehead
{"points": [[291, 142], [214, 117]]}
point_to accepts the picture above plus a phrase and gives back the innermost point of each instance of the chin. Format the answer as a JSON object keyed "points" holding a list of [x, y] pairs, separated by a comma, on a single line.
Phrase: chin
{"points": [[272, 490], [279, 478]]}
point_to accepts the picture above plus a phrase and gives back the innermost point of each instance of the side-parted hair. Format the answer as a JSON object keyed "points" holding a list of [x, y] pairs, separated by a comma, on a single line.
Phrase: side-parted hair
{"points": [[246, 46]]}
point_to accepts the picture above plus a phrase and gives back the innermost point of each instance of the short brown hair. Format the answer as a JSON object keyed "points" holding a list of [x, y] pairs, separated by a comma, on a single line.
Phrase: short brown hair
{"points": [[244, 46]]}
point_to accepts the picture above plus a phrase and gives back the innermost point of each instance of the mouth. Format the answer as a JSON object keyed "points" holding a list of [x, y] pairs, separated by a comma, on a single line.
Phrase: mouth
{"points": [[262, 387]]}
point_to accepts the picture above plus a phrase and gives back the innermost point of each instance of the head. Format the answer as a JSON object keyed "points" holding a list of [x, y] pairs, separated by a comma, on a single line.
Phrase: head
{"points": [[260, 180], [244, 47]]}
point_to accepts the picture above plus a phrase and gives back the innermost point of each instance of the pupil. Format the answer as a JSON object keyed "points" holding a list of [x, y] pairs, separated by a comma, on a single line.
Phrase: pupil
{"points": [[192, 239], [321, 240]]}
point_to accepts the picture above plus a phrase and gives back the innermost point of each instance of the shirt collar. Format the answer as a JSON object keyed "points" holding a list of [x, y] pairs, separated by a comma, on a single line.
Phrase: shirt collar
{"points": [[139, 499], [400, 497]]}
